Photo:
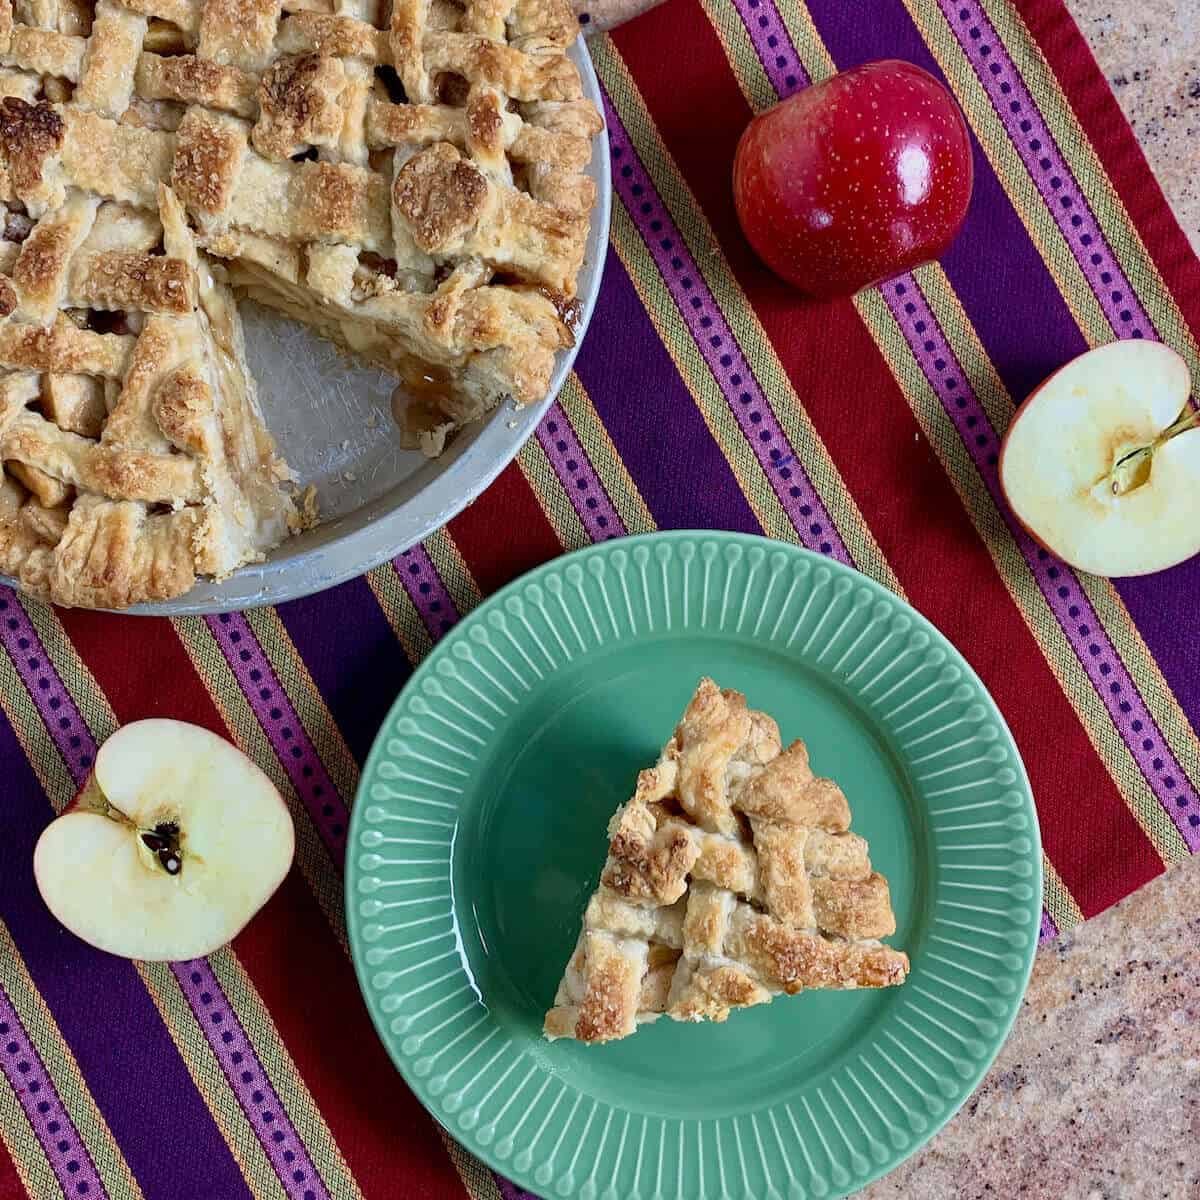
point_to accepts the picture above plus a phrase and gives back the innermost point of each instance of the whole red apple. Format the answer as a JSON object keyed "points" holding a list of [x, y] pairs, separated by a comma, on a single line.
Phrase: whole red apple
{"points": [[855, 179]]}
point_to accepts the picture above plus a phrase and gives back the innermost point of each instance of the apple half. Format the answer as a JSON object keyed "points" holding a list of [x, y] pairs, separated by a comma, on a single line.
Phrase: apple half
{"points": [[174, 842], [1101, 464]]}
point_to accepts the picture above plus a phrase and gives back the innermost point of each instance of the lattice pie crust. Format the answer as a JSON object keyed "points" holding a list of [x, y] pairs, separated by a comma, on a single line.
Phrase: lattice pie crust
{"points": [[732, 877]]}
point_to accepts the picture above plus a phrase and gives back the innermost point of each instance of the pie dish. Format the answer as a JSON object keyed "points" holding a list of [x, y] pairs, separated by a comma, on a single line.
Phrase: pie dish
{"points": [[732, 877], [409, 183]]}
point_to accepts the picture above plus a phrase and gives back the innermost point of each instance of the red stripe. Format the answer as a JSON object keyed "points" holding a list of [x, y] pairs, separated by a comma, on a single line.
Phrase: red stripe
{"points": [[11, 1187], [1098, 112], [894, 477], [289, 951], [505, 534]]}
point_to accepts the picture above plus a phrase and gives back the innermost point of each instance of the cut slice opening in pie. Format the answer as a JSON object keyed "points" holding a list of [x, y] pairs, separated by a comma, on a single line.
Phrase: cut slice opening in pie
{"points": [[732, 877]]}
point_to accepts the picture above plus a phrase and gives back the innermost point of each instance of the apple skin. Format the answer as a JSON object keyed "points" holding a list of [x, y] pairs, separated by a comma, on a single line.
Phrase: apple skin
{"points": [[855, 179], [1163, 532], [237, 844]]}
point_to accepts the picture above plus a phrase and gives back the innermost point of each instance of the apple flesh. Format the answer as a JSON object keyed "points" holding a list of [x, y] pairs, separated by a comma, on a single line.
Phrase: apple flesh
{"points": [[1101, 464], [174, 842], [855, 179]]}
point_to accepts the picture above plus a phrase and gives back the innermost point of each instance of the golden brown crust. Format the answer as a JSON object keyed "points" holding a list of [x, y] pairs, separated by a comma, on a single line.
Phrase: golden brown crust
{"points": [[135, 475], [441, 196], [298, 102], [194, 80], [207, 156], [716, 914], [142, 282], [29, 135]]}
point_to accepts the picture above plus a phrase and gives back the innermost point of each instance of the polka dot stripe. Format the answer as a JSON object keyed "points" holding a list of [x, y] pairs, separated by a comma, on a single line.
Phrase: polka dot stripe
{"points": [[68, 1156], [296, 753], [574, 469], [426, 590], [54, 704], [773, 46], [249, 1081]]}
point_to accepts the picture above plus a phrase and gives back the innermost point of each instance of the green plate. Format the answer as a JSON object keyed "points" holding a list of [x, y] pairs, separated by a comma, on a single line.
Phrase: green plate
{"points": [[479, 832]]}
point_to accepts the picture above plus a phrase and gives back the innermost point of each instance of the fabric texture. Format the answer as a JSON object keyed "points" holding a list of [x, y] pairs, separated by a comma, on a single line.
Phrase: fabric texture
{"points": [[706, 394]]}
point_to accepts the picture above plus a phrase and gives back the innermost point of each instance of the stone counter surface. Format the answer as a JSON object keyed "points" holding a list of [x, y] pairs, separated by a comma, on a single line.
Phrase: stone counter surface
{"points": [[1096, 1094]]}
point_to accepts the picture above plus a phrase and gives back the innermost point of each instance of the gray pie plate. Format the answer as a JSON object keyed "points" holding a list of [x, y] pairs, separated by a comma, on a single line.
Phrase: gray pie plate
{"points": [[332, 420]]}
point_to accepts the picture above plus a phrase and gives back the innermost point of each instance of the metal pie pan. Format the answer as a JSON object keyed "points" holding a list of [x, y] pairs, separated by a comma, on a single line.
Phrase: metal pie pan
{"points": [[331, 418]]}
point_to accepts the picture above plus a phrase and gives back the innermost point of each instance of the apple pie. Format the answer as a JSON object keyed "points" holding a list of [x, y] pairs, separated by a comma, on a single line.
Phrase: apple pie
{"points": [[732, 877], [404, 176]]}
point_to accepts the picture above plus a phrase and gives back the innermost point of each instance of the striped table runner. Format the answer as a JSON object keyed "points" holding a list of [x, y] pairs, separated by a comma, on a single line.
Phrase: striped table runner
{"points": [[705, 395]]}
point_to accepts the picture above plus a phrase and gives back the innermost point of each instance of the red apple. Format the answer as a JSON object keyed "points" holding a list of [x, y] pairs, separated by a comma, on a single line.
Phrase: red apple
{"points": [[174, 842], [855, 179], [1101, 464]]}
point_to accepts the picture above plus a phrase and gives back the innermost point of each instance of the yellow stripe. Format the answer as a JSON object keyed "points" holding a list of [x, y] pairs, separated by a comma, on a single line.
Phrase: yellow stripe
{"points": [[1059, 902], [77, 678], [747, 330], [453, 571], [287, 1081], [602, 454], [1013, 569], [64, 1072], [210, 1081], [306, 699], [477, 1179], [32, 1166], [817, 62], [735, 41], [219, 681], [545, 484], [401, 613]]}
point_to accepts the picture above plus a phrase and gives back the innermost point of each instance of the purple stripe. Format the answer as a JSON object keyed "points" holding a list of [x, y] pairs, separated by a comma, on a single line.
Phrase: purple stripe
{"points": [[773, 45], [716, 343], [249, 1081], [25, 1071], [296, 753], [1033, 141], [352, 655], [510, 1191], [426, 590], [1057, 582], [1049, 931], [145, 1097], [574, 469], [54, 704]]}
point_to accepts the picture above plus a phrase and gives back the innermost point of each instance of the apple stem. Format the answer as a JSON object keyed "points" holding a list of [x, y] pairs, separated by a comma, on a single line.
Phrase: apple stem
{"points": [[1188, 419], [1126, 473]]}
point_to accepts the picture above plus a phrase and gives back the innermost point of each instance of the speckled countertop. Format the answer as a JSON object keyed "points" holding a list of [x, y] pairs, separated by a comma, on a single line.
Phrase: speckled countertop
{"points": [[1096, 1094]]}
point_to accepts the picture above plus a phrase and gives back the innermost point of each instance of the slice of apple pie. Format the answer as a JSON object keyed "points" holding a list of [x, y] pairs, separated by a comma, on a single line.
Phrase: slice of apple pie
{"points": [[732, 876]]}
